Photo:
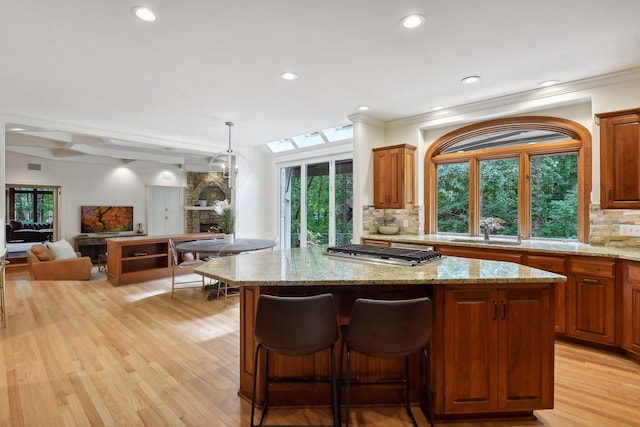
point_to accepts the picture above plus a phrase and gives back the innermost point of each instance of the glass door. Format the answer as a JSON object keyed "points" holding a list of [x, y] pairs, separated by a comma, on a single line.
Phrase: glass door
{"points": [[316, 203]]}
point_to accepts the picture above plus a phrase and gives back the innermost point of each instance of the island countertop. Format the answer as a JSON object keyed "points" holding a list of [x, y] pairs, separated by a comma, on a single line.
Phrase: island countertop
{"points": [[309, 266]]}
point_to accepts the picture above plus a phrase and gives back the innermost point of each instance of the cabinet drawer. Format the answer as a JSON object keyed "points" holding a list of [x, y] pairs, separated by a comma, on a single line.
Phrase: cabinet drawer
{"points": [[375, 242], [632, 272], [593, 267], [547, 263]]}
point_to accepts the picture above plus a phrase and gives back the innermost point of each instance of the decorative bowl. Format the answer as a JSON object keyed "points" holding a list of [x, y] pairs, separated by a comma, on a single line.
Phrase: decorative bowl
{"points": [[388, 229]]}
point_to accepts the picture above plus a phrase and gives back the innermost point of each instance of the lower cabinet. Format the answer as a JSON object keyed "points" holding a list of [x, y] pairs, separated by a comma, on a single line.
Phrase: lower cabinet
{"points": [[591, 307], [497, 350], [631, 307]]}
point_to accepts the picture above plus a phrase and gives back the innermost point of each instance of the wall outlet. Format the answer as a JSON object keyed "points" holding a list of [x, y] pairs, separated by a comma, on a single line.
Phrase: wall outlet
{"points": [[405, 223], [630, 230]]}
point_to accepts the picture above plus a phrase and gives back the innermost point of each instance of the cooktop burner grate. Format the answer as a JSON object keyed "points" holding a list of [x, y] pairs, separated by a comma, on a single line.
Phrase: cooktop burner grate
{"points": [[392, 255]]}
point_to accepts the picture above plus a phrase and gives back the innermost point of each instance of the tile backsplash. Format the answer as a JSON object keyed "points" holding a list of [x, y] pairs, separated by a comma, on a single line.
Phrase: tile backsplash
{"points": [[605, 226], [413, 218]]}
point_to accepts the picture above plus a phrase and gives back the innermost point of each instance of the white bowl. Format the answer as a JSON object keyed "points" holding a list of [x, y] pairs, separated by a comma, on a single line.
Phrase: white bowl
{"points": [[388, 229]]}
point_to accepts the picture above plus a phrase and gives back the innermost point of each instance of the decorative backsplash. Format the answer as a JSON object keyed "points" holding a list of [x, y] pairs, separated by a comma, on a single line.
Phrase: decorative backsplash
{"points": [[605, 226], [372, 217]]}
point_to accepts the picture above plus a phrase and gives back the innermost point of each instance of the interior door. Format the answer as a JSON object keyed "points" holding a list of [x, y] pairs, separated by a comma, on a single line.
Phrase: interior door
{"points": [[164, 205]]}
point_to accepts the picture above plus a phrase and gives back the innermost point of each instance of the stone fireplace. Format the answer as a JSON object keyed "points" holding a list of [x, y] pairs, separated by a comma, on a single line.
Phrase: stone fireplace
{"points": [[210, 186]]}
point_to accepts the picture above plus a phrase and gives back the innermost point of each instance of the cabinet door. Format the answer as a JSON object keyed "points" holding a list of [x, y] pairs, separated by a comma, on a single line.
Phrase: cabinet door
{"points": [[631, 307], [620, 160], [470, 350], [525, 353], [591, 308], [386, 167]]}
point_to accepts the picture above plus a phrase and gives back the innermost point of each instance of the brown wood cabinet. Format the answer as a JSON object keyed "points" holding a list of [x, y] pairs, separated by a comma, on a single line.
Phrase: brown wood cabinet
{"points": [[394, 177], [554, 264], [631, 307], [619, 159], [493, 360], [591, 309], [138, 259]]}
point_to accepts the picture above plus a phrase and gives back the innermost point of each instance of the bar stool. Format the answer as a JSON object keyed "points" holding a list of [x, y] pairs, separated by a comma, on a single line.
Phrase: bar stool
{"points": [[389, 329], [295, 326]]}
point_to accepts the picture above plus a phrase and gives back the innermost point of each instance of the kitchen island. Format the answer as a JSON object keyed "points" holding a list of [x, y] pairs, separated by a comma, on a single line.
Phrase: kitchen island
{"points": [[492, 347]]}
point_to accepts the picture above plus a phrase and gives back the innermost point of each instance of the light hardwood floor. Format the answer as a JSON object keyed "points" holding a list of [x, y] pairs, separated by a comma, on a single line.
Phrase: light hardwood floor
{"points": [[88, 353]]}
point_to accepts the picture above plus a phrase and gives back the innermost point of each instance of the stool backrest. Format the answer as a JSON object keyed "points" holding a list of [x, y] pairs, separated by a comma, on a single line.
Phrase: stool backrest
{"points": [[296, 325], [390, 328], [174, 252]]}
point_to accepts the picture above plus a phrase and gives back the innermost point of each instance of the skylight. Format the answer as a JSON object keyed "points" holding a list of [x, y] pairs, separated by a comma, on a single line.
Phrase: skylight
{"points": [[333, 134]]}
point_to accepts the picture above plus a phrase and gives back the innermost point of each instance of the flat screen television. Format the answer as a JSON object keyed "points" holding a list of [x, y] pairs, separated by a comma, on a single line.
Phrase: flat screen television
{"points": [[106, 219]]}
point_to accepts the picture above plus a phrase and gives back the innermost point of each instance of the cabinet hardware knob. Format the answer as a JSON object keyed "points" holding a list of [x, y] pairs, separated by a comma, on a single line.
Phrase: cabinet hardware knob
{"points": [[495, 311], [504, 310]]}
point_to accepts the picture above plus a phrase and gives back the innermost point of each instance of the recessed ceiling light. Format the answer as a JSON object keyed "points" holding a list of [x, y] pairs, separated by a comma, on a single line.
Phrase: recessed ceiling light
{"points": [[412, 21], [437, 108], [288, 75], [470, 79], [548, 83], [363, 107], [144, 13]]}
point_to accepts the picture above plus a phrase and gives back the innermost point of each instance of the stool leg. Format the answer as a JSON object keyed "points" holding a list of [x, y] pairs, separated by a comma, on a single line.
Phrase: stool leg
{"points": [[406, 391], [255, 381], [265, 408], [429, 393], [346, 399], [334, 389]]}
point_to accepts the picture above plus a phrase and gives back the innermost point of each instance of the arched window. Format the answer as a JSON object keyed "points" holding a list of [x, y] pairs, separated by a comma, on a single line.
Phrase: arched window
{"points": [[520, 175]]}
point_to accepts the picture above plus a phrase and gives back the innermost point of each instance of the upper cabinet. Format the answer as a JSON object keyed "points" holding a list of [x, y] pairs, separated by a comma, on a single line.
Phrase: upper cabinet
{"points": [[394, 177], [619, 159]]}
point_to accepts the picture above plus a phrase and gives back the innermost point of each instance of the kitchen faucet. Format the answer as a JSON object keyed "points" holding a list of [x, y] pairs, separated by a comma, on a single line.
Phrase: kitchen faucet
{"points": [[485, 229]]}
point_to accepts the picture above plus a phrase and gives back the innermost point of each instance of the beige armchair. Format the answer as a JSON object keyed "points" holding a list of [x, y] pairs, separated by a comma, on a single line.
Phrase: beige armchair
{"points": [[43, 267]]}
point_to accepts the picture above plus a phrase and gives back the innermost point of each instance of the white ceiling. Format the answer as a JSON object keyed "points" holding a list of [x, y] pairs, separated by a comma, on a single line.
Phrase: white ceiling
{"points": [[92, 69]]}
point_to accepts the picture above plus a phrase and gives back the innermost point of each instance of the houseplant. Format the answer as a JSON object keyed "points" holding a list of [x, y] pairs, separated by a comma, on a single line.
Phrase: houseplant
{"points": [[223, 208]]}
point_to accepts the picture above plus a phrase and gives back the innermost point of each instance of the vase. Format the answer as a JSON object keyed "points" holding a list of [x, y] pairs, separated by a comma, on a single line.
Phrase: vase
{"points": [[228, 238], [140, 230]]}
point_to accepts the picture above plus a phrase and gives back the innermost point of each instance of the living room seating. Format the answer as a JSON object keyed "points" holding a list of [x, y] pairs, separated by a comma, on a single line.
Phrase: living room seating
{"points": [[44, 265], [17, 231]]}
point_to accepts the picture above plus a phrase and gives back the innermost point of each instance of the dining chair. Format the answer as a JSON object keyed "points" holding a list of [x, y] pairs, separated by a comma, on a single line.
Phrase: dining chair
{"points": [[389, 329], [176, 265]]}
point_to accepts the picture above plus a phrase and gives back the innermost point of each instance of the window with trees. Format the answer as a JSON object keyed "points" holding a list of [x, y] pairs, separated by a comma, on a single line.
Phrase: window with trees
{"points": [[30, 204], [522, 175]]}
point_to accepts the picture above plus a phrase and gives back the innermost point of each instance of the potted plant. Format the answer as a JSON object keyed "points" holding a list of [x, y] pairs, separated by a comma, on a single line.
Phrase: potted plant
{"points": [[223, 208]]}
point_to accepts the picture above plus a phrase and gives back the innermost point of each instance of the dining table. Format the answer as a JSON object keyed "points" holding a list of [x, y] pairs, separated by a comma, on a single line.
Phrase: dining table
{"points": [[209, 247]]}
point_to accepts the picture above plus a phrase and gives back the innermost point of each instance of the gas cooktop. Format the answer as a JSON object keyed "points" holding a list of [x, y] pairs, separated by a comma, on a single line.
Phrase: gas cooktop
{"points": [[398, 256]]}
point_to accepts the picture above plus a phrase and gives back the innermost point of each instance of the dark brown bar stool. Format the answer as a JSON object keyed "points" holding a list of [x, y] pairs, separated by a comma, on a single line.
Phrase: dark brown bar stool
{"points": [[389, 329], [295, 326]]}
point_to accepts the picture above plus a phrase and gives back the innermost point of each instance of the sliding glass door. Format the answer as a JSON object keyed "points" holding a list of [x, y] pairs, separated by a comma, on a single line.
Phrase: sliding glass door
{"points": [[316, 203]]}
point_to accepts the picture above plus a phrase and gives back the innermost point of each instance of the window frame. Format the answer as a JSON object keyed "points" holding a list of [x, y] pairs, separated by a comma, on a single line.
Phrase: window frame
{"points": [[579, 143]]}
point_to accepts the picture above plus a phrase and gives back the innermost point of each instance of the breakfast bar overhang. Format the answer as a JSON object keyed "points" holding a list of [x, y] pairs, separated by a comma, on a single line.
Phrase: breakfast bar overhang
{"points": [[492, 344]]}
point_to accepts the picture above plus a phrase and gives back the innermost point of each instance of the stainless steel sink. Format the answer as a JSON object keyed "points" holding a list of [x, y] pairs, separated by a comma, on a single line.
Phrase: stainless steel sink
{"points": [[487, 242]]}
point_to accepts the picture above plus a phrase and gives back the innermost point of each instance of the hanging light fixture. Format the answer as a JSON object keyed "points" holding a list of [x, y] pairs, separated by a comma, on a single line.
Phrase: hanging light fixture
{"points": [[229, 173]]}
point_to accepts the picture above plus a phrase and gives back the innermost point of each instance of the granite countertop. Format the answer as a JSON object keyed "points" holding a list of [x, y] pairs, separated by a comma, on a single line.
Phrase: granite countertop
{"points": [[542, 246], [308, 266]]}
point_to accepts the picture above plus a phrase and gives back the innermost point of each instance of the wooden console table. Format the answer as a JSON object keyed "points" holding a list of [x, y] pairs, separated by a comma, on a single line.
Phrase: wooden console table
{"points": [[142, 258]]}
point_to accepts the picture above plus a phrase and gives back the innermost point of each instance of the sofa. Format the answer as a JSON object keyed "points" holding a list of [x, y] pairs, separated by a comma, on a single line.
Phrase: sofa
{"points": [[28, 231], [43, 265]]}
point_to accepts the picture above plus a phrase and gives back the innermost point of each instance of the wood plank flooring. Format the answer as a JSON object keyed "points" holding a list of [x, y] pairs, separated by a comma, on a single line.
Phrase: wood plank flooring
{"points": [[90, 354]]}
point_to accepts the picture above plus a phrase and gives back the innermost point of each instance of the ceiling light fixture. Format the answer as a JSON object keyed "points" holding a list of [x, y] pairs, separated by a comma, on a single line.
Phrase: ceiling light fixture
{"points": [[144, 13], [363, 107], [470, 79], [548, 83], [412, 21], [288, 75], [230, 156]]}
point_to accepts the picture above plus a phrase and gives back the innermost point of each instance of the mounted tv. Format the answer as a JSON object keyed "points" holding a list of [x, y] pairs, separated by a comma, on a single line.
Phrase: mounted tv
{"points": [[106, 219]]}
